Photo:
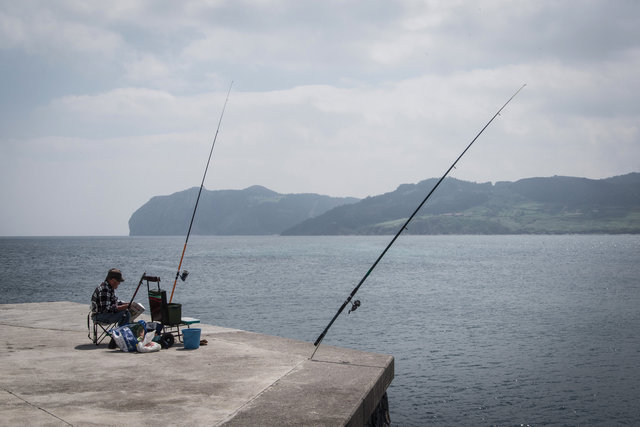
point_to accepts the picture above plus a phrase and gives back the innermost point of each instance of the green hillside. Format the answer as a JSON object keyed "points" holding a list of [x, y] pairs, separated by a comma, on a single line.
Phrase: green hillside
{"points": [[555, 205]]}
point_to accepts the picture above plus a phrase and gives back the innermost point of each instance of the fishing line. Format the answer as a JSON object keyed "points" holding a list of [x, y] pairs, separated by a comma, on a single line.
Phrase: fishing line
{"points": [[185, 273], [356, 303]]}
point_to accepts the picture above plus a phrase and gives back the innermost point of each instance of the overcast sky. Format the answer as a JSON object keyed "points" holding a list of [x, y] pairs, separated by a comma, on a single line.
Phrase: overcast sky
{"points": [[107, 104]]}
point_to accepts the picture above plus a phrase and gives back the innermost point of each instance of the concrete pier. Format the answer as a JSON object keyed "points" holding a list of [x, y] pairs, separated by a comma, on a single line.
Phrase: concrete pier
{"points": [[53, 375]]}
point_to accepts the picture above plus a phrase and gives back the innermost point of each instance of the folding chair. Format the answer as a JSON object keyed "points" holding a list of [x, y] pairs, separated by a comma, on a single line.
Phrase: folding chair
{"points": [[98, 331]]}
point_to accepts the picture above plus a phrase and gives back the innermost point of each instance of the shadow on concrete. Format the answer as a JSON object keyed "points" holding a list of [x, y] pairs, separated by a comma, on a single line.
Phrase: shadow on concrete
{"points": [[90, 346]]}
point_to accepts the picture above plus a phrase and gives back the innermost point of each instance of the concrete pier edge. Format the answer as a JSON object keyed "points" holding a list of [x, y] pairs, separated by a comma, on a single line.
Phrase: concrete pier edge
{"points": [[54, 375]]}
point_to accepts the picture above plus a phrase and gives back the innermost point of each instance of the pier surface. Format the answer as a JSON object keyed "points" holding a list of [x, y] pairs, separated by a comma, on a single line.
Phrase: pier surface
{"points": [[53, 375]]}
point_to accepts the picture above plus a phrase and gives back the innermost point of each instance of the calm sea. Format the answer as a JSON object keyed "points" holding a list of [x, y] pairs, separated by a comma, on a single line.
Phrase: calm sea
{"points": [[485, 330]]}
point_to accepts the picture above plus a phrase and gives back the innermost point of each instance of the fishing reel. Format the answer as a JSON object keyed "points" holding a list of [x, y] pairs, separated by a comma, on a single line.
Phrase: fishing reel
{"points": [[354, 306], [183, 275]]}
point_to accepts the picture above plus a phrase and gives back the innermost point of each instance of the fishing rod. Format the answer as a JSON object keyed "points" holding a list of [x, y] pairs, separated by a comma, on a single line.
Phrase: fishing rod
{"points": [[356, 303], [184, 274], [136, 292]]}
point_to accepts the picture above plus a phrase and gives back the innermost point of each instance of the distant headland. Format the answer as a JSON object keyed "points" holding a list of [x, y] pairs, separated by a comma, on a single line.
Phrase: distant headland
{"points": [[551, 205]]}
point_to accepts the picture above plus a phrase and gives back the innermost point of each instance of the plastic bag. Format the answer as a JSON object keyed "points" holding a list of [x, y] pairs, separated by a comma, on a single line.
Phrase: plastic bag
{"points": [[128, 336], [147, 345], [124, 338], [155, 327]]}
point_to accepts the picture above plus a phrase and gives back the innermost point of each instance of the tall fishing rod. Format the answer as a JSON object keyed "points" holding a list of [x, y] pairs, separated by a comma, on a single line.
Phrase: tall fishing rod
{"points": [[356, 303], [185, 273]]}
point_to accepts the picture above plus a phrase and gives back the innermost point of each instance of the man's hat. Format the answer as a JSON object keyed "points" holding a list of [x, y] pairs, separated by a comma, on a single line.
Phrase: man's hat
{"points": [[114, 273]]}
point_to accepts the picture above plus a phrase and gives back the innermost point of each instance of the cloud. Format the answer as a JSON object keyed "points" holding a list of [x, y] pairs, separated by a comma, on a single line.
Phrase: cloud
{"points": [[148, 70], [341, 97], [40, 31]]}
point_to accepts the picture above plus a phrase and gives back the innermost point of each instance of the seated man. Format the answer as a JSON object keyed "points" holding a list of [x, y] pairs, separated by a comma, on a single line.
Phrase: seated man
{"points": [[104, 304]]}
